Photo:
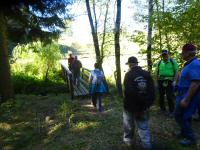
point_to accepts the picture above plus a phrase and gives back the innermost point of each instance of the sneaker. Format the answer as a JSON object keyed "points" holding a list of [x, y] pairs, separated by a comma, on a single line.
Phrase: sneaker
{"points": [[187, 142]]}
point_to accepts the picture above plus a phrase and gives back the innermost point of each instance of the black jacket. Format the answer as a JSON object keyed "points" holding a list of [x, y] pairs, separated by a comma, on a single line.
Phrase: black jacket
{"points": [[139, 90]]}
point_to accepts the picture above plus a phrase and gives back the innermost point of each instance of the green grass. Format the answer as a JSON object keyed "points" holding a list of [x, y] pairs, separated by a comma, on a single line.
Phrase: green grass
{"points": [[54, 122]]}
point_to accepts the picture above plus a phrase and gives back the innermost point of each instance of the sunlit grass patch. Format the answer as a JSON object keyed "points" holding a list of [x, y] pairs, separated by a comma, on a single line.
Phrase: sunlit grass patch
{"points": [[84, 125], [55, 128], [5, 126]]}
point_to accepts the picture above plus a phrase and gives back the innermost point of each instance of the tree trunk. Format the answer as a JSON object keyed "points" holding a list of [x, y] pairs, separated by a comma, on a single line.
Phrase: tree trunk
{"points": [[149, 37], [104, 31], [117, 48], [94, 34], [165, 33], [159, 25], [6, 89]]}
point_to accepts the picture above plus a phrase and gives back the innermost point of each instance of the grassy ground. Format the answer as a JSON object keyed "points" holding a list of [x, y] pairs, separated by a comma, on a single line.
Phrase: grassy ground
{"points": [[53, 122]]}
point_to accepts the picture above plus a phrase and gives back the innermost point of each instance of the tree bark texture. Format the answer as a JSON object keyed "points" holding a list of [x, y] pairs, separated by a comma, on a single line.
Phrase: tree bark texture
{"points": [[94, 33], [6, 89], [149, 37], [159, 25], [117, 48]]}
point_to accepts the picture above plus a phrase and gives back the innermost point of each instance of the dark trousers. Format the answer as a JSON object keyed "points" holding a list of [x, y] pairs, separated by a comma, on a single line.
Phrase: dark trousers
{"points": [[97, 100], [199, 112], [76, 79], [168, 90]]}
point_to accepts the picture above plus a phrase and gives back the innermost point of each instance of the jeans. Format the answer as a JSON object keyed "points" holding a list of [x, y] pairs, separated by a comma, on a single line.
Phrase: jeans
{"points": [[184, 122], [129, 121], [96, 100], [168, 90]]}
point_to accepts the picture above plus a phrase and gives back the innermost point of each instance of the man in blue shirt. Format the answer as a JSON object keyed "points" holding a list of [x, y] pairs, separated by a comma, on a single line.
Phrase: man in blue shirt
{"points": [[188, 98]]}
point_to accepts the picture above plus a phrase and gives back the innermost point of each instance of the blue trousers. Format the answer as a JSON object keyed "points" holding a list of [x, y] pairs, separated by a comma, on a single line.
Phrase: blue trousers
{"points": [[130, 120], [184, 122]]}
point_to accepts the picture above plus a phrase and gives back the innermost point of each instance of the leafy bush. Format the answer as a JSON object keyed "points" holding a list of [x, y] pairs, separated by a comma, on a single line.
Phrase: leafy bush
{"points": [[36, 69]]}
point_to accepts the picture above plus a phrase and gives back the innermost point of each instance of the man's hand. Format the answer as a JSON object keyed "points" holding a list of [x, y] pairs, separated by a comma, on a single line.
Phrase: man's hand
{"points": [[191, 92], [184, 102]]}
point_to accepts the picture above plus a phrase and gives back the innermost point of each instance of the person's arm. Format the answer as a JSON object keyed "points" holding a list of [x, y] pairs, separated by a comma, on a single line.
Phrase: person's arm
{"points": [[90, 79], [177, 73], [191, 92]]}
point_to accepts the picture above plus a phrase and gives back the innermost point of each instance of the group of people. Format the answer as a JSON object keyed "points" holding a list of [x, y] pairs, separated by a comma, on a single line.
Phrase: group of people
{"points": [[75, 65], [139, 94], [97, 84]]}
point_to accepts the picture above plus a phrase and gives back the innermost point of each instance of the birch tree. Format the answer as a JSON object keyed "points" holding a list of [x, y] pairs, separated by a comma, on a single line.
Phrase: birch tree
{"points": [[117, 47]]}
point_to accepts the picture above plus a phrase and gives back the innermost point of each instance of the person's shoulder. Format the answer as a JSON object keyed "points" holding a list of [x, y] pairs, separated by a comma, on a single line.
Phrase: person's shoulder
{"points": [[173, 60], [195, 62], [145, 72], [92, 71], [128, 73], [159, 62]]}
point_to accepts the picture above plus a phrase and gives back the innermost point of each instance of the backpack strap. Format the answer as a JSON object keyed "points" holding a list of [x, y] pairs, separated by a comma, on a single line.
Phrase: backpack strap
{"points": [[172, 62], [158, 71]]}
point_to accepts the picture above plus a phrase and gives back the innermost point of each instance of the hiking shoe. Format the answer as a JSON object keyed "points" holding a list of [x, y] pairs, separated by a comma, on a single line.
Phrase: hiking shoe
{"points": [[187, 142]]}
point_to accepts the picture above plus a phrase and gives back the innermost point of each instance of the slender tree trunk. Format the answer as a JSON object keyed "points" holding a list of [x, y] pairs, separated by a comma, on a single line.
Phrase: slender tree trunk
{"points": [[94, 34], [95, 16], [117, 48], [149, 37], [104, 31], [46, 74], [165, 33], [6, 89], [159, 26]]}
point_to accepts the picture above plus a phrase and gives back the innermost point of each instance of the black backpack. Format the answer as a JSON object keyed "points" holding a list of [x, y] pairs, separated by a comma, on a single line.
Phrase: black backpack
{"points": [[144, 91]]}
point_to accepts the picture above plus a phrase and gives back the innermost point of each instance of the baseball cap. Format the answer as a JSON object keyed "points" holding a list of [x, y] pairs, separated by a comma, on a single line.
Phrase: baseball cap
{"points": [[132, 59], [164, 51]]}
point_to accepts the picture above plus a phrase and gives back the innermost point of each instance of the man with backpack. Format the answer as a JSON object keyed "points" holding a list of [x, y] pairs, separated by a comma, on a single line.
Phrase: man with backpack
{"points": [[97, 86], [167, 70], [139, 94]]}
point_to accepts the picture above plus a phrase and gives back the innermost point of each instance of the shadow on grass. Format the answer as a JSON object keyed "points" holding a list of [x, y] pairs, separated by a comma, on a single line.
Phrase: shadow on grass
{"points": [[55, 122]]}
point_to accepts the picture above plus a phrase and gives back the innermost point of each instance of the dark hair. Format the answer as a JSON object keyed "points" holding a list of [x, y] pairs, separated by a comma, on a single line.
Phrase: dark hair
{"points": [[189, 47], [96, 65]]}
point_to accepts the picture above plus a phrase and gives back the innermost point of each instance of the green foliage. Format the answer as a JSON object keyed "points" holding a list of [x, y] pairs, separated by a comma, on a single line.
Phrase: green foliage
{"points": [[174, 24], [36, 60], [32, 20], [36, 69]]}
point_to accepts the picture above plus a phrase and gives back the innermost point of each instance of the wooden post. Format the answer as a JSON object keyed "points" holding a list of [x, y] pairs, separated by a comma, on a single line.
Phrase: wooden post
{"points": [[71, 85], [67, 81]]}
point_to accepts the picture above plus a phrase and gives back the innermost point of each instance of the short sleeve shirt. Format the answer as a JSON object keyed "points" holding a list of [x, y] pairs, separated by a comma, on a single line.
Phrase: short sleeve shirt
{"points": [[190, 72], [167, 69]]}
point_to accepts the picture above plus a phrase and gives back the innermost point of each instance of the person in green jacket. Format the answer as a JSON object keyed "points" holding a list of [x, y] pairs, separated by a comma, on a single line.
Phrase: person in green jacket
{"points": [[167, 71]]}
